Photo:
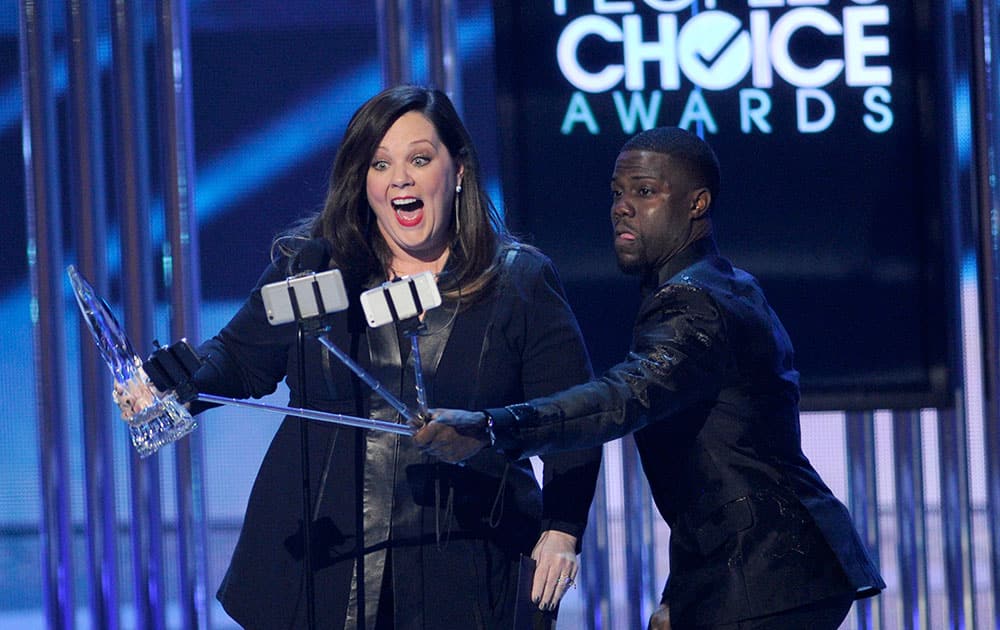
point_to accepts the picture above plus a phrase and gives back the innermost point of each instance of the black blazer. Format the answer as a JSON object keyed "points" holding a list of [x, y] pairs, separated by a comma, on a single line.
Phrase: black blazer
{"points": [[710, 391], [454, 534]]}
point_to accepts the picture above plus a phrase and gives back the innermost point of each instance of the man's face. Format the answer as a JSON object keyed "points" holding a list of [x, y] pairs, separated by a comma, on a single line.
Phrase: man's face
{"points": [[652, 210]]}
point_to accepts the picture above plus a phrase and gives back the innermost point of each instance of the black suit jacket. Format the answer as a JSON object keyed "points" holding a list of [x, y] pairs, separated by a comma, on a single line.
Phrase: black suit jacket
{"points": [[454, 545], [711, 393]]}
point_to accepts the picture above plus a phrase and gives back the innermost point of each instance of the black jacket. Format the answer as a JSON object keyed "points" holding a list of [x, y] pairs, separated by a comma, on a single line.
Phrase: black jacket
{"points": [[710, 391], [450, 536]]}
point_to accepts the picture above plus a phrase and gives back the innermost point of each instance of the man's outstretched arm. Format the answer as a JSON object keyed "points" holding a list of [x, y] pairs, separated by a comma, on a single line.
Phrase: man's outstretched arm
{"points": [[677, 362]]}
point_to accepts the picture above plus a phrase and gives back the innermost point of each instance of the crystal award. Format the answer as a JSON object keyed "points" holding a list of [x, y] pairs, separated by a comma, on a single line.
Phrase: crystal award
{"points": [[161, 418]]}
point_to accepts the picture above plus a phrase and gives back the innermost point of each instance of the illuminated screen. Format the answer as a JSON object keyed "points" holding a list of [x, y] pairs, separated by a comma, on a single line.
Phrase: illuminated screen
{"points": [[829, 169]]}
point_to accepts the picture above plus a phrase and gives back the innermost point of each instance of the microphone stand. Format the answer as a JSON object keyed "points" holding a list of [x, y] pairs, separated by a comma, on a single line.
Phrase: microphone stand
{"points": [[315, 327], [306, 491]]}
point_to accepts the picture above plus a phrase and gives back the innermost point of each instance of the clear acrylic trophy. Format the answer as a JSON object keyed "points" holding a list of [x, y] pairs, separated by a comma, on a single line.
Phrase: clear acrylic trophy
{"points": [[162, 419]]}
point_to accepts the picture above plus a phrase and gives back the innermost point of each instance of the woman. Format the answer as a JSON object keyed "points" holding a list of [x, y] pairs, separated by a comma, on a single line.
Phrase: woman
{"points": [[433, 545]]}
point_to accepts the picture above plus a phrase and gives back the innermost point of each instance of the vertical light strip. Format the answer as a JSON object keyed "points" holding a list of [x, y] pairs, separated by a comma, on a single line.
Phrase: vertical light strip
{"points": [[44, 234], [180, 264], [955, 516], [393, 17], [445, 67], [637, 510], [863, 494], [593, 567], [984, 435], [910, 519], [957, 431], [976, 316], [616, 594], [88, 205], [132, 197]]}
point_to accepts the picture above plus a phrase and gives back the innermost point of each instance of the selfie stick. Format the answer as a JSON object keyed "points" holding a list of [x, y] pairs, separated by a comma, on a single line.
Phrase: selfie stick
{"points": [[419, 372], [171, 368], [370, 380], [306, 299], [403, 301], [312, 414]]}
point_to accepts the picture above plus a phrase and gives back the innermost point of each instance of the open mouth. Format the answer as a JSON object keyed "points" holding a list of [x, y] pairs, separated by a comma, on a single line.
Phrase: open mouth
{"points": [[409, 211]]}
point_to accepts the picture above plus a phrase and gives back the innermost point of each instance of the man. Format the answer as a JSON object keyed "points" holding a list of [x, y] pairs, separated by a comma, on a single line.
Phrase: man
{"points": [[757, 539]]}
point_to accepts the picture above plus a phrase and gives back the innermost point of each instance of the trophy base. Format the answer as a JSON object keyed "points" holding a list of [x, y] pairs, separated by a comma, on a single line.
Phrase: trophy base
{"points": [[162, 420], [162, 423]]}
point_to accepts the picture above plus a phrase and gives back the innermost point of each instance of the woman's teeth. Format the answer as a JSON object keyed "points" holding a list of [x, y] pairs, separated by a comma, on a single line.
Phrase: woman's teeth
{"points": [[409, 212], [407, 205]]}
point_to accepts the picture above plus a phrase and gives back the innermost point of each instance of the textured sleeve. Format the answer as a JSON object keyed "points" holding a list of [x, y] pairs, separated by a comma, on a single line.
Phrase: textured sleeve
{"points": [[248, 357], [677, 361], [555, 357]]}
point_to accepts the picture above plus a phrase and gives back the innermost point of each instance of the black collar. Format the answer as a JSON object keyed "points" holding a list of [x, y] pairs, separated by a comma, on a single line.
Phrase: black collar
{"points": [[698, 250]]}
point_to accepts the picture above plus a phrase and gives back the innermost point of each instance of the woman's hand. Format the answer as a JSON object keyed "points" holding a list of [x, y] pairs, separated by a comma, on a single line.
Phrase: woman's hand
{"points": [[660, 619], [134, 395], [556, 566]]}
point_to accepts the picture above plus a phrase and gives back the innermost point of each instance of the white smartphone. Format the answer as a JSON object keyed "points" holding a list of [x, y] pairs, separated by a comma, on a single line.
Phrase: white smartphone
{"points": [[400, 299], [305, 296]]}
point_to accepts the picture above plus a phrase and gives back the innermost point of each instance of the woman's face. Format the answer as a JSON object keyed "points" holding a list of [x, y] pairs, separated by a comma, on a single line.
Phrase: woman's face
{"points": [[411, 187]]}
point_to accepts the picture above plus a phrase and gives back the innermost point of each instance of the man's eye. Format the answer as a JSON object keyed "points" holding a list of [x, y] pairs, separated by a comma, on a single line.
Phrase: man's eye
{"points": [[645, 191], [615, 194]]}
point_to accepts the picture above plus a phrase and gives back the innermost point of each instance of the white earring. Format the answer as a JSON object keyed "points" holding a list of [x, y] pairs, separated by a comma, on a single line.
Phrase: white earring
{"points": [[458, 189]]}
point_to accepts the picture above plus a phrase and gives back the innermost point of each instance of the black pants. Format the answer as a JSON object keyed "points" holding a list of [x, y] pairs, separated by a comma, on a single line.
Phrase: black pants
{"points": [[826, 614]]}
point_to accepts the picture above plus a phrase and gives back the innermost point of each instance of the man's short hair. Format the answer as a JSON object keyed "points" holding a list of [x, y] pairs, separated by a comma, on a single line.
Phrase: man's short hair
{"points": [[694, 154]]}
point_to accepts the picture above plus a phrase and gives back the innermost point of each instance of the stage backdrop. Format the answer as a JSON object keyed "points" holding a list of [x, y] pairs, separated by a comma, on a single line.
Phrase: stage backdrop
{"points": [[821, 113]]}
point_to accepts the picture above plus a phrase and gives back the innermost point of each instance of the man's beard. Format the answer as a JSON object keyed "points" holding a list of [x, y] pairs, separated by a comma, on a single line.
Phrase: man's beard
{"points": [[631, 258], [633, 266]]}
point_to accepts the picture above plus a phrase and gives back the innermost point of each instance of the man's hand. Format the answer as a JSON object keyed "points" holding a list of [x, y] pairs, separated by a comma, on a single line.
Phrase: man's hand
{"points": [[453, 435], [556, 566]]}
